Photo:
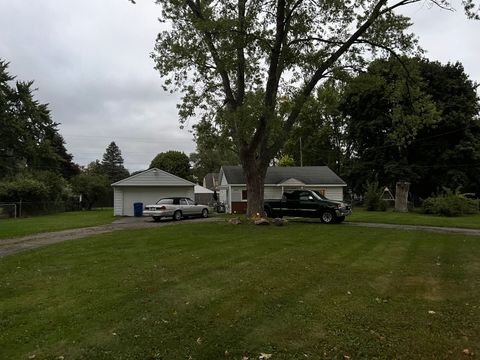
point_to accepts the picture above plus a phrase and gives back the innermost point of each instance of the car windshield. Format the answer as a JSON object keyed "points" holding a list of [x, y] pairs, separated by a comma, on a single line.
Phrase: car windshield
{"points": [[165, 201], [318, 195]]}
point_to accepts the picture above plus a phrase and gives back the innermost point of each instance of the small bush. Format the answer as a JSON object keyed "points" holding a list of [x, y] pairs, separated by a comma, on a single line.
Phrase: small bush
{"points": [[373, 197], [450, 203]]}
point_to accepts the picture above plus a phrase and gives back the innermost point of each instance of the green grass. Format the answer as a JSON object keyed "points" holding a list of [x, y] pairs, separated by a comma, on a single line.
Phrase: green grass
{"points": [[62, 221], [219, 291], [414, 218]]}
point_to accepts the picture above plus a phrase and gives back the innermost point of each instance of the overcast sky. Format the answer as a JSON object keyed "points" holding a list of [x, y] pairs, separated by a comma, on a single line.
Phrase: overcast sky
{"points": [[90, 61]]}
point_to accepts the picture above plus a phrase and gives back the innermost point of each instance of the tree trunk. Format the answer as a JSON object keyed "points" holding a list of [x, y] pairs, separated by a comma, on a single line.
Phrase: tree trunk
{"points": [[401, 196], [255, 177]]}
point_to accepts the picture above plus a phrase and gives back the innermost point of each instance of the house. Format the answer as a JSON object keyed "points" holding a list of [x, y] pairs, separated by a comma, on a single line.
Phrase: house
{"points": [[148, 187], [210, 181], [233, 189]]}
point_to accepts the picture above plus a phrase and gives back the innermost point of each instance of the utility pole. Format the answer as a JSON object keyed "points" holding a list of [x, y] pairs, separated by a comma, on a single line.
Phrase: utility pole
{"points": [[301, 155]]}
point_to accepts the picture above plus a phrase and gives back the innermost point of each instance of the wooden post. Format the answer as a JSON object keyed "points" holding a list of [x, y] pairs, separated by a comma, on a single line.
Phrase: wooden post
{"points": [[401, 196]]}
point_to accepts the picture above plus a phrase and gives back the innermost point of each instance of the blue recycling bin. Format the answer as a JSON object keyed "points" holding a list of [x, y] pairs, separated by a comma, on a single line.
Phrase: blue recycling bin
{"points": [[138, 209]]}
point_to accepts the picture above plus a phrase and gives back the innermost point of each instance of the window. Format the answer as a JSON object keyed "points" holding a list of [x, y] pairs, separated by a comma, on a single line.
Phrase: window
{"points": [[244, 194], [183, 202], [165, 201]]}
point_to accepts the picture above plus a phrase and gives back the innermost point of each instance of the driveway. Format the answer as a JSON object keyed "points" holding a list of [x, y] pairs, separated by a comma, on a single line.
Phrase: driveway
{"points": [[15, 245]]}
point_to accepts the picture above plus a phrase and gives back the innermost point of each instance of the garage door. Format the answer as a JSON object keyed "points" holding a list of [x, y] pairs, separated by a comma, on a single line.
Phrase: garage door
{"points": [[150, 195]]}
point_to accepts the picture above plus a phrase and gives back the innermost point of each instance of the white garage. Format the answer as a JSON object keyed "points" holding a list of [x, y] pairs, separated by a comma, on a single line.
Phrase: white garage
{"points": [[148, 187]]}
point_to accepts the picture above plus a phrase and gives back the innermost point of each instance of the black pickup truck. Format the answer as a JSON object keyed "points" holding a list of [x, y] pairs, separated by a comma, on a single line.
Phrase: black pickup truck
{"points": [[308, 203]]}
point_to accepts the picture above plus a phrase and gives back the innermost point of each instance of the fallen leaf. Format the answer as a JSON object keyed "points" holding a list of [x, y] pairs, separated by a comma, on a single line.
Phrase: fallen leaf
{"points": [[199, 341], [264, 356], [431, 312], [33, 356], [466, 352]]}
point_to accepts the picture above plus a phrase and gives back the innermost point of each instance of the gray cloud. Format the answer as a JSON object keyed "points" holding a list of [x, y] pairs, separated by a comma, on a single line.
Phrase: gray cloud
{"points": [[90, 61]]}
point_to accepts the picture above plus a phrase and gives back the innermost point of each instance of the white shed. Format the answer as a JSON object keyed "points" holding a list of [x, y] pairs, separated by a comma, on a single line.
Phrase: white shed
{"points": [[148, 187]]}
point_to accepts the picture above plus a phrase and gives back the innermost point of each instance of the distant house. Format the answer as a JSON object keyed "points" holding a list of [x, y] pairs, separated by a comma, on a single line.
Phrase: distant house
{"points": [[233, 189], [148, 187], [210, 181]]}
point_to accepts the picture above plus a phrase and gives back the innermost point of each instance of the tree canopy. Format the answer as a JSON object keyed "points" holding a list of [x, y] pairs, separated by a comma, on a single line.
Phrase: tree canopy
{"points": [[174, 162], [112, 163], [250, 66], [29, 136], [416, 122]]}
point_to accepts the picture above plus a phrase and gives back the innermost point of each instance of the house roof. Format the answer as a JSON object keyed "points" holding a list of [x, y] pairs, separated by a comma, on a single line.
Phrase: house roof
{"points": [[210, 181], [153, 177], [308, 175]]}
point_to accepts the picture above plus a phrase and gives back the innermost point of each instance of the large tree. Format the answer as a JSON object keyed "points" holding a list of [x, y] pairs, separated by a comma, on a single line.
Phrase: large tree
{"points": [[416, 121], [29, 138], [250, 66], [174, 162]]}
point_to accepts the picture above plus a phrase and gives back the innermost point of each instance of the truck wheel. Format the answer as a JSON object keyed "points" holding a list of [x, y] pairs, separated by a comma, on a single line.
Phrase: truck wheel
{"points": [[327, 217], [177, 215], [340, 219], [156, 218], [268, 212]]}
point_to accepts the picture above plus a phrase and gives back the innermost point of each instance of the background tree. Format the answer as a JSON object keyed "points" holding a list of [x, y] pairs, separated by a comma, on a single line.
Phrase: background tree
{"points": [[416, 122], [174, 162], [34, 163], [29, 137], [213, 150], [93, 188], [112, 163], [286, 160], [251, 66], [320, 131]]}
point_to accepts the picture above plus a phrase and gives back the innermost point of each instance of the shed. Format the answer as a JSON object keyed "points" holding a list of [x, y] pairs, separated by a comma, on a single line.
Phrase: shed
{"points": [[148, 187], [233, 189]]}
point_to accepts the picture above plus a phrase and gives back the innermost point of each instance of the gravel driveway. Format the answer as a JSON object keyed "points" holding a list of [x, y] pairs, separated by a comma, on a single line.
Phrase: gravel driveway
{"points": [[15, 245]]}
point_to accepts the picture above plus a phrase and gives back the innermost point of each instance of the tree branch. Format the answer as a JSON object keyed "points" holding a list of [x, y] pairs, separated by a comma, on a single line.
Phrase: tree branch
{"points": [[319, 73]]}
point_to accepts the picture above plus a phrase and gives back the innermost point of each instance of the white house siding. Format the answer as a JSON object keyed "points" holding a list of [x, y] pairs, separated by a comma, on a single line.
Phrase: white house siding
{"points": [[333, 192], [236, 194], [150, 195], [117, 202], [272, 192]]}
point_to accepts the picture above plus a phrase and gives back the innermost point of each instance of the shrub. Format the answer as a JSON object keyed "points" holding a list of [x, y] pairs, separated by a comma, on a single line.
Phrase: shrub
{"points": [[373, 197], [450, 203]]}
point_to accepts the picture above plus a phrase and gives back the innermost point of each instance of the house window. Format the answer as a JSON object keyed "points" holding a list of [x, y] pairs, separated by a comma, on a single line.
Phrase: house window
{"points": [[244, 195]]}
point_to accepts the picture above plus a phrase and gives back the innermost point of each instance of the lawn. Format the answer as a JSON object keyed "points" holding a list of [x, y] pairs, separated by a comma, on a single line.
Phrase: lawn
{"points": [[219, 291], [414, 218], [62, 221]]}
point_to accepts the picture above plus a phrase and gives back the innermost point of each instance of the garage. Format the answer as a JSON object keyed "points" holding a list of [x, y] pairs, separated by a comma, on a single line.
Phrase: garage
{"points": [[148, 187]]}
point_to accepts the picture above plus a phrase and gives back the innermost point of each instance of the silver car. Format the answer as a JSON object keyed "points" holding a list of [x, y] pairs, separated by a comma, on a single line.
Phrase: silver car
{"points": [[175, 207]]}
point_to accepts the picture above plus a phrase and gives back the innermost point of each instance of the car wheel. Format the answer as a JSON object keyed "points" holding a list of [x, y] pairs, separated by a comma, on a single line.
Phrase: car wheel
{"points": [[205, 213], [177, 215], [156, 218], [327, 217]]}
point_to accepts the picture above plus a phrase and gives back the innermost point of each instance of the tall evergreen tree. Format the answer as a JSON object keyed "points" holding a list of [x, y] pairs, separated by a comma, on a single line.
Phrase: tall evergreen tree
{"points": [[29, 138], [112, 163]]}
